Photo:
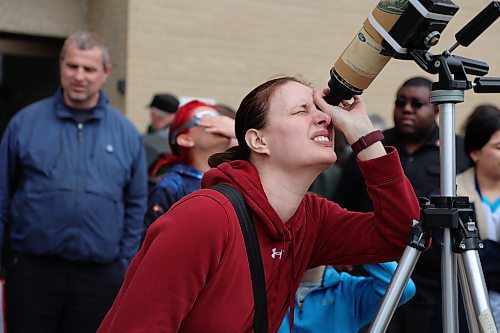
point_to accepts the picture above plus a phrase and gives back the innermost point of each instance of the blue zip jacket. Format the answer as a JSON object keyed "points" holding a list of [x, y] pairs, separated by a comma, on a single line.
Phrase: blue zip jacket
{"points": [[179, 181], [73, 190], [344, 303]]}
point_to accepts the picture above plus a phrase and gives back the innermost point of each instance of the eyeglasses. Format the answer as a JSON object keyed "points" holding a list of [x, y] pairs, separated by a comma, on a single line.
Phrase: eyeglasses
{"points": [[415, 103], [194, 121]]}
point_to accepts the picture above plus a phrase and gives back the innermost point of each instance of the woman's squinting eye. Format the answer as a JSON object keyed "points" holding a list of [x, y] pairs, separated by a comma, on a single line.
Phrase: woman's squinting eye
{"points": [[300, 111]]}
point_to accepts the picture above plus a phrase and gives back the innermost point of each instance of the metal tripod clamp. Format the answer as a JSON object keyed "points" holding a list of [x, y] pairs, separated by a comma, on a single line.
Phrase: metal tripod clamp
{"points": [[419, 237], [457, 214], [466, 237]]}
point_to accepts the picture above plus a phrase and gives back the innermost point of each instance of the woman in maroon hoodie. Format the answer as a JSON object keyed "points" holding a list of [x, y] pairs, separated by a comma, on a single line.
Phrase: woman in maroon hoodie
{"points": [[192, 272]]}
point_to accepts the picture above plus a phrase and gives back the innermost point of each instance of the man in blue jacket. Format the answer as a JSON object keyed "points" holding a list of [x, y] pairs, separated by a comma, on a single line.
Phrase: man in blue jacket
{"points": [[73, 191]]}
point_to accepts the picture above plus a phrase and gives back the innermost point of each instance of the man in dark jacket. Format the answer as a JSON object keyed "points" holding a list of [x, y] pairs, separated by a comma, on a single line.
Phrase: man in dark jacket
{"points": [[416, 137], [73, 189]]}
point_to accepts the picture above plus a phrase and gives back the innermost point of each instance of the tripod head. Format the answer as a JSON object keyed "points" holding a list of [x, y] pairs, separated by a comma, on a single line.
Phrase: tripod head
{"points": [[453, 69]]}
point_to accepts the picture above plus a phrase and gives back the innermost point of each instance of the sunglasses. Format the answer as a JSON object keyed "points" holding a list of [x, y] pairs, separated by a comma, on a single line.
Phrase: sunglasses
{"points": [[194, 121], [415, 103]]}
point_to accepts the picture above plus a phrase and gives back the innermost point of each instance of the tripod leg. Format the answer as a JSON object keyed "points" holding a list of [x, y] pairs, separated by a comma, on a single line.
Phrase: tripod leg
{"points": [[395, 290], [478, 291], [448, 188], [449, 285], [467, 298]]}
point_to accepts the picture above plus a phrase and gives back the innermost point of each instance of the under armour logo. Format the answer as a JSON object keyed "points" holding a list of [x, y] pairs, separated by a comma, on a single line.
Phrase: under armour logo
{"points": [[277, 253]]}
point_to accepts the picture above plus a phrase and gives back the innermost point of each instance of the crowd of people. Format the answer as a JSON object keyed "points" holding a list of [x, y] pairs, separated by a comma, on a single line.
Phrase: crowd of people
{"points": [[101, 234]]}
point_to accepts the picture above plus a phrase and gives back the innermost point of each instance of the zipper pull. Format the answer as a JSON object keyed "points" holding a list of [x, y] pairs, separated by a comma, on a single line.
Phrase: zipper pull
{"points": [[80, 132]]}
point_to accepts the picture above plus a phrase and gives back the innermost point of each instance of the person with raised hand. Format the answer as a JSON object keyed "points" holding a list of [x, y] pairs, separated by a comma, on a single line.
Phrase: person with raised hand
{"points": [[192, 272]]}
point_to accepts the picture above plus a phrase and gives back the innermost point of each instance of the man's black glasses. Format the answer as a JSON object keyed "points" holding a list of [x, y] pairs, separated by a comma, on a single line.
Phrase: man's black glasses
{"points": [[415, 103]]}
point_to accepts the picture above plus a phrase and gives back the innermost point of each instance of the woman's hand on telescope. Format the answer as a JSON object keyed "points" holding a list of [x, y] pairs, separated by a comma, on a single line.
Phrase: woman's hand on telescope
{"points": [[351, 118]]}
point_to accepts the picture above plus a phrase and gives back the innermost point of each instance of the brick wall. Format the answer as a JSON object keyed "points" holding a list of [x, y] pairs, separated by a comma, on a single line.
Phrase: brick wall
{"points": [[108, 18], [53, 18], [223, 48]]}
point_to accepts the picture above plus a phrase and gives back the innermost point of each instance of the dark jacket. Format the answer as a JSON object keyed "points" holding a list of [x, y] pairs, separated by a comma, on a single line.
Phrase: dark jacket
{"points": [[74, 190], [421, 168], [179, 181]]}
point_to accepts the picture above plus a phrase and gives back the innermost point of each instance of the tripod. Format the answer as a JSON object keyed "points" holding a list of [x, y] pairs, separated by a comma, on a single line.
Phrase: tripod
{"points": [[460, 242], [452, 214]]}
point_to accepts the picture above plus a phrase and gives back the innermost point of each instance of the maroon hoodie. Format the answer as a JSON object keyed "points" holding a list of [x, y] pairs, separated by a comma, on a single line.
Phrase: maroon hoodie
{"points": [[192, 272]]}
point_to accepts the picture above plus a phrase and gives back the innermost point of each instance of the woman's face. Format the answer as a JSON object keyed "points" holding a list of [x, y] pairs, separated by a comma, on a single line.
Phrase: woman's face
{"points": [[487, 159], [297, 133]]}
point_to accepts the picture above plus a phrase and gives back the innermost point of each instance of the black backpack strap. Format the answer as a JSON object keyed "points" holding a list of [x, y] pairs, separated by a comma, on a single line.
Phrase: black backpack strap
{"points": [[253, 252]]}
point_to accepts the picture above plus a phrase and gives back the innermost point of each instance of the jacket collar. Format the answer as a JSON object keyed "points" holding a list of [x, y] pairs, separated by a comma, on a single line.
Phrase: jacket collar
{"points": [[186, 170], [62, 110]]}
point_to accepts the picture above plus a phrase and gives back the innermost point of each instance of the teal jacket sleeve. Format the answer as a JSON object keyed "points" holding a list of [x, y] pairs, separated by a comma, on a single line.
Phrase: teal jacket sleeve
{"points": [[369, 291]]}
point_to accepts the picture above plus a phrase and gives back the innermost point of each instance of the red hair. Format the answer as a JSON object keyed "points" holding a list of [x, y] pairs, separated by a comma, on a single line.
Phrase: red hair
{"points": [[179, 154]]}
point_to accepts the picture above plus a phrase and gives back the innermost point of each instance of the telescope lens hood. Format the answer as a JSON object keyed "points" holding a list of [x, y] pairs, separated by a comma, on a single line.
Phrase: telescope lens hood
{"points": [[340, 89]]}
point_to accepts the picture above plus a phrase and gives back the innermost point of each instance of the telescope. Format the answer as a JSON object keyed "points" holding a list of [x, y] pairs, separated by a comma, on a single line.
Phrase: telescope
{"points": [[392, 29]]}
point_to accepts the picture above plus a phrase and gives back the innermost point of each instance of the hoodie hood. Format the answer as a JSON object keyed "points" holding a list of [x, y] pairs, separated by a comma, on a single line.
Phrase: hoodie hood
{"points": [[243, 176]]}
